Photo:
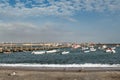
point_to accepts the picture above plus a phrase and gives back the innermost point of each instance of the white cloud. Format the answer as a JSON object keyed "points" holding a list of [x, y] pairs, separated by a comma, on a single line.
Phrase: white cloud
{"points": [[28, 32], [60, 7], [16, 29]]}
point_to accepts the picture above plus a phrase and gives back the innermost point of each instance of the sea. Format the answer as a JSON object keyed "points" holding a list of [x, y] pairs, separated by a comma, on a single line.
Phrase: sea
{"points": [[76, 58]]}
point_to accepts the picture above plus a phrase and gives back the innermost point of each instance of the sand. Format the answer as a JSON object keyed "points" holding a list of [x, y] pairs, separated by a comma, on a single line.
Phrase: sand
{"points": [[22, 74]]}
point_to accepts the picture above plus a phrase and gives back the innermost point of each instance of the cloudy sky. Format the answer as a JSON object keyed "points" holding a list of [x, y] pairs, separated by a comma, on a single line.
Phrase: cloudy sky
{"points": [[60, 21]]}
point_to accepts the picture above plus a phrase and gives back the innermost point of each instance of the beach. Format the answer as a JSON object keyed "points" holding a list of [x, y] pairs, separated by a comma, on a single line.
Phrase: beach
{"points": [[10, 73]]}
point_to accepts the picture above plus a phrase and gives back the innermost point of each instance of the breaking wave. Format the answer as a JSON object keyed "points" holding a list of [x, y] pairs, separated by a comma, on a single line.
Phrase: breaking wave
{"points": [[59, 65]]}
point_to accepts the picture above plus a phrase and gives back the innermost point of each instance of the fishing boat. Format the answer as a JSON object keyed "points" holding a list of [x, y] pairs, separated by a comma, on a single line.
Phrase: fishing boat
{"points": [[117, 45], [110, 50], [38, 52], [113, 51], [52, 51], [75, 46], [104, 46], [85, 48], [113, 48], [65, 52], [86, 51], [92, 49]]}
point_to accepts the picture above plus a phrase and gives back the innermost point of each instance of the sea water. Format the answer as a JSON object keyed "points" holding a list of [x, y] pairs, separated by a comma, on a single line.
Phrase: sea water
{"points": [[75, 57]]}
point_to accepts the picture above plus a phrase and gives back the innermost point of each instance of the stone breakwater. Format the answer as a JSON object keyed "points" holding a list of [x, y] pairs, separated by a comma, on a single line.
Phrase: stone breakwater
{"points": [[21, 47]]}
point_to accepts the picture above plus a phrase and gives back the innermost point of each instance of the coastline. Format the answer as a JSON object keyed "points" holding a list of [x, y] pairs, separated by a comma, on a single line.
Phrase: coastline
{"points": [[62, 68], [59, 72], [7, 73]]}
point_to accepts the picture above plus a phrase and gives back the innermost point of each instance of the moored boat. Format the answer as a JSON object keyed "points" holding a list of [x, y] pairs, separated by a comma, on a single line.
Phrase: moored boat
{"points": [[85, 48], [38, 52], [52, 51], [92, 49], [65, 52], [104, 46], [87, 51], [110, 50]]}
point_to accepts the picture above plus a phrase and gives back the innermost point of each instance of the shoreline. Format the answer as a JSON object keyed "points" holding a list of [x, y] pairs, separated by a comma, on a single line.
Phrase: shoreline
{"points": [[31, 74], [63, 69], [59, 73]]}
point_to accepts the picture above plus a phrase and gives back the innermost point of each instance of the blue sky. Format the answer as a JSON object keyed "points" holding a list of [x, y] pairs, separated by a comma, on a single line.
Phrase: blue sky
{"points": [[60, 21]]}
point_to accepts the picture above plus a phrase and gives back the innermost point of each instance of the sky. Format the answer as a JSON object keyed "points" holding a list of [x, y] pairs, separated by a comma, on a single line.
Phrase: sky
{"points": [[60, 21]]}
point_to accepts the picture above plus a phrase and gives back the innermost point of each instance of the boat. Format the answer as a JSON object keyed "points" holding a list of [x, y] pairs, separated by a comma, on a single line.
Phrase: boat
{"points": [[92, 49], [65, 52], [7, 52], [75, 46], [117, 45], [104, 46], [113, 48], [110, 50], [87, 51], [52, 51], [38, 52], [85, 48], [113, 51], [99, 48]]}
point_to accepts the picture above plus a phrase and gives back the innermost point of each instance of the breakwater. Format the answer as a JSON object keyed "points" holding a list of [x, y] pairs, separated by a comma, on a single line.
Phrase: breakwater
{"points": [[21, 47]]}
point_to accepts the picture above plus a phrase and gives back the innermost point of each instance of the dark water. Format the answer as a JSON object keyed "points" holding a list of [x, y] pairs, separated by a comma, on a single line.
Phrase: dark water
{"points": [[74, 57]]}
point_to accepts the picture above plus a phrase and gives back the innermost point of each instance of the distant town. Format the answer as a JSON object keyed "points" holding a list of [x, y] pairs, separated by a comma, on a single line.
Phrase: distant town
{"points": [[22, 47]]}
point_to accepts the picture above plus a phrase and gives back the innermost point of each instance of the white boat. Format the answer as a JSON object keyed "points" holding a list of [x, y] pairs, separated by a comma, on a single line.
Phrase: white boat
{"points": [[113, 48], [85, 48], [117, 45], [113, 51], [99, 48], [110, 50], [65, 52], [104, 46], [92, 49], [87, 51], [75, 46], [38, 52], [52, 51]]}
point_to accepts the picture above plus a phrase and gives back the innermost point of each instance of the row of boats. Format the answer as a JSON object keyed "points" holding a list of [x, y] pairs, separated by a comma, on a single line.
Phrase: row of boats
{"points": [[83, 49], [103, 48], [49, 51], [107, 50]]}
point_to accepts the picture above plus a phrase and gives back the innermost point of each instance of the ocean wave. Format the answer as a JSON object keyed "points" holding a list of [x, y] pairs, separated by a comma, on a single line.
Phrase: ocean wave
{"points": [[59, 65]]}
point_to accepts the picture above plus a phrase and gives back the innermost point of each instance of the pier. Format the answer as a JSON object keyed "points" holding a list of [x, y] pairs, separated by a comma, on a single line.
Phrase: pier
{"points": [[22, 47]]}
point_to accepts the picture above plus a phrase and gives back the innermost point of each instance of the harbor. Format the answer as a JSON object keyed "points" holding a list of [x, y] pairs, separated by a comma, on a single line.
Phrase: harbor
{"points": [[23, 47], [75, 62], [60, 53], [59, 40]]}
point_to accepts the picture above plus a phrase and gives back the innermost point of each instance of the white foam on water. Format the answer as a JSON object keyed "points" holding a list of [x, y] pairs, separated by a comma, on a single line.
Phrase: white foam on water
{"points": [[59, 65]]}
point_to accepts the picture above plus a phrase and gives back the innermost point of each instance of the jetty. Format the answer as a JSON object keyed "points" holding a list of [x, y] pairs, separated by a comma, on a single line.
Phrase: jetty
{"points": [[22, 47]]}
